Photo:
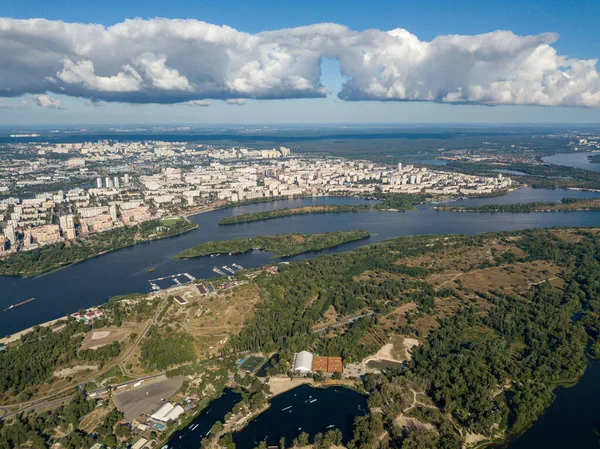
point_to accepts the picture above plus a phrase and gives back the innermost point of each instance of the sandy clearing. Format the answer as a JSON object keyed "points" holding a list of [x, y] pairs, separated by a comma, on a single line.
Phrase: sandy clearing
{"points": [[100, 335], [402, 420], [74, 370], [280, 385], [471, 439], [409, 344]]}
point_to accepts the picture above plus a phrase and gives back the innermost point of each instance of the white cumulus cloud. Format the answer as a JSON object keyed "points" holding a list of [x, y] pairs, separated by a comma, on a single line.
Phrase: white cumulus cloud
{"points": [[46, 101], [201, 103], [236, 101], [182, 61]]}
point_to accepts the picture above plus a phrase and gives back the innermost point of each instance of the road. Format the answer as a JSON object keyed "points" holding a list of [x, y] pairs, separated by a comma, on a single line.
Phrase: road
{"points": [[57, 398], [323, 328]]}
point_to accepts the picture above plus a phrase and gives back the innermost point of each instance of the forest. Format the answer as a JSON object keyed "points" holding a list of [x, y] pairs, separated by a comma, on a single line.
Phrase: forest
{"points": [[398, 201], [282, 245], [493, 339], [278, 213], [59, 255]]}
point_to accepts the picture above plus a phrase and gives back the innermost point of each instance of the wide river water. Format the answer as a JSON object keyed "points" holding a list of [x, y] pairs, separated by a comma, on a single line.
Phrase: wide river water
{"points": [[571, 421], [125, 271]]}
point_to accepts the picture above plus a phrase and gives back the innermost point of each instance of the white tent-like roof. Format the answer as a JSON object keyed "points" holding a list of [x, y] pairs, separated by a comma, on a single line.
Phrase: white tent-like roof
{"points": [[303, 363], [162, 412]]}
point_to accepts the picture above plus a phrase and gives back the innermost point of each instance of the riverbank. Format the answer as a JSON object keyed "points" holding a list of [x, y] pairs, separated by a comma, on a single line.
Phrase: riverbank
{"points": [[50, 258], [282, 245], [565, 205], [17, 335], [279, 213]]}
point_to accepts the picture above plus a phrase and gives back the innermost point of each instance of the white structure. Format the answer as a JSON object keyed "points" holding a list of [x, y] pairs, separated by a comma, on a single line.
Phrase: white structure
{"points": [[303, 363], [167, 412]]}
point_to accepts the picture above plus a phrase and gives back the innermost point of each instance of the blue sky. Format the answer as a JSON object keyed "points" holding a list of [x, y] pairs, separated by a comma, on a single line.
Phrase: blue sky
{"points": [[575, 21]]}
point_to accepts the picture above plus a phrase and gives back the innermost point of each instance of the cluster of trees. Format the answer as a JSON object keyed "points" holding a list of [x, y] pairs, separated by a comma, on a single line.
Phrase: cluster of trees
{"points": [[278, 213], [38, 429], [103, 354], [165, 348], [399, 201], [38, 354], [282, 245], [51, 257]]}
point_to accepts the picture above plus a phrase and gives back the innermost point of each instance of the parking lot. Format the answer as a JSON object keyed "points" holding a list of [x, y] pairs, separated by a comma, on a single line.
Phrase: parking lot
{"points": [[147, 397]]}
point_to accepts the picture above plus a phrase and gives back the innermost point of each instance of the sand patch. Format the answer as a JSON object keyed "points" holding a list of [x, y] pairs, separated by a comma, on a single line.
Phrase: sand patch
{"points": [[74, 370], [97, 335], [471, 439], [280, 385], [412, 423], [409, 344]]}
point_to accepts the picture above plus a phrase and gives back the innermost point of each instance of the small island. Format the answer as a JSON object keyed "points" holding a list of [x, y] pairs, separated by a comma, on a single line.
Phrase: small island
{"points": [[399, 202], [565, 205], [282, 245], [278, 213], [52, 257]]}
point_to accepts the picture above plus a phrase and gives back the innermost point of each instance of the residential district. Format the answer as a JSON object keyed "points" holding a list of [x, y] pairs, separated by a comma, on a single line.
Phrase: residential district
{"points": [[64, 191]]}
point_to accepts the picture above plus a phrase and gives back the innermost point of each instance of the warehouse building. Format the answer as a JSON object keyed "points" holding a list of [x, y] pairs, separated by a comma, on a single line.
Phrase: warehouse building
{"points": [[168, 412], [303, 362]]}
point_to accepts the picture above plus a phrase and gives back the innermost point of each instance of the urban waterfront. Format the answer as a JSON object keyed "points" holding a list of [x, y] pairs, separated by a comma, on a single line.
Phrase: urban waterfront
{"points": [[124, 271]]}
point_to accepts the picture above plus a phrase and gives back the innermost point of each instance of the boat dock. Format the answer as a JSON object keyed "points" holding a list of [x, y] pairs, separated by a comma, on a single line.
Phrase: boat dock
{"points": [[171, 281]]}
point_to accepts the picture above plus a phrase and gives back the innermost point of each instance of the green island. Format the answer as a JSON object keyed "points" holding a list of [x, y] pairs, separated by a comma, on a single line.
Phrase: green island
{"points": [[60, 255], [288, 212], [398, 202], [565, 205], [282, 245], [482, 329]]}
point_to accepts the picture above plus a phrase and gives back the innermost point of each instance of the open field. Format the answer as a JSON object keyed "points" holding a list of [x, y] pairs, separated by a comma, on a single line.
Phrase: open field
{"points": [[146, 398], [105, 336], [211, 320]]}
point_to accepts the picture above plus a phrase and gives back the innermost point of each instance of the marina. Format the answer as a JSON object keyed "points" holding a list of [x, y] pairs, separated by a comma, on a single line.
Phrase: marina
{"points": [[171, 281]]}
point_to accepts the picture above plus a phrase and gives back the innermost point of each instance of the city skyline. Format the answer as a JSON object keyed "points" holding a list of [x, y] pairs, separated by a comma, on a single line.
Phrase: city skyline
{"points": [[272, 64]]}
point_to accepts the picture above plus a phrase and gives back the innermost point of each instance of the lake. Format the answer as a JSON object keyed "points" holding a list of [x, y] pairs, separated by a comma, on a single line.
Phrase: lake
{"points": [[94, 281], [575, 160], [193, 433], [303, 409]]}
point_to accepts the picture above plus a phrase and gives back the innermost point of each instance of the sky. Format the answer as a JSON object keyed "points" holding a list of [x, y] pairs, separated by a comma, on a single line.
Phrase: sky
{"points": [[249, 62]]}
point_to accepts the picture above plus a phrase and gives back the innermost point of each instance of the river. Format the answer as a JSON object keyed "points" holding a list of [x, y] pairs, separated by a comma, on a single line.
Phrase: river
{"points": [[575, 160], [124, 271]]}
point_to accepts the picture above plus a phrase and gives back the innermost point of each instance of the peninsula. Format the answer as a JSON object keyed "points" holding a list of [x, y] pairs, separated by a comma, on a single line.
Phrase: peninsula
{"points": [[288, 212], [282, 245]]}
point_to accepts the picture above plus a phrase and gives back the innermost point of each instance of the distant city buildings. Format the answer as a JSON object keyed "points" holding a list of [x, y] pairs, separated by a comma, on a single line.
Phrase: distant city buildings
{"points": [[162, 179]]}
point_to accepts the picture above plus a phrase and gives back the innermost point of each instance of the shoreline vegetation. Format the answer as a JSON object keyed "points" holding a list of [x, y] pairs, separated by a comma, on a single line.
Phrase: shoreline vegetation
{"points": [[288, 212], [565, 205], [49, 258], [282, 245]]}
